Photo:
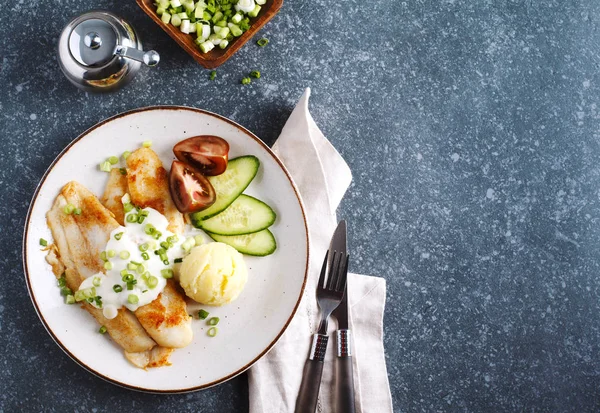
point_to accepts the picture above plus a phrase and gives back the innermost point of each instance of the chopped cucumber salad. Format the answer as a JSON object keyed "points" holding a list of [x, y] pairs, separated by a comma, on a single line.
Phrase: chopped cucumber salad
{"points": [[215, 22]]}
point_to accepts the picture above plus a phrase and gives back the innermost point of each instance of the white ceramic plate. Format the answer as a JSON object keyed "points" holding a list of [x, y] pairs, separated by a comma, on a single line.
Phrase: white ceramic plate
{"points": [[249, 327]]}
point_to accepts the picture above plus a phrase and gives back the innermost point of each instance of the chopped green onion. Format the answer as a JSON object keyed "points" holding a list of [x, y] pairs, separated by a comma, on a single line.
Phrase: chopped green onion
{"points": [[132, 299], [165, 245], [105, 166], [70, 299], [77, 211], [118, 236], [128, 278], [81, 295], [172, 239], [178, 260], [62, 281], [263, 42], [149, 229], [213, 321], [198, 240], [43, 242], [68, 209], [165, 261], [212, 331], [128, 207], [145, 256], [124, 273], [65, 291], [97, 281], [143, 247], [141, 268], [143, 213], [157, 235], [90, 300], [202, 314], [246, 81], [102, 330], [124, 255], [255, 74], [108, 265], [131, 266], [117, 288], [103, 256], [131, 218], [113, 160], [141, 219], [167, 273], [126, 155], [213, 75], [147, 144], [152, 281], [111, 253], [254, 12], [98, 301], [123, 171]]}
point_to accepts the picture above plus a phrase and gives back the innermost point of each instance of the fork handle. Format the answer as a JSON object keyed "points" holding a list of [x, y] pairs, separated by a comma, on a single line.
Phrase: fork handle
{"points": [[344, 380], [311, 378]]}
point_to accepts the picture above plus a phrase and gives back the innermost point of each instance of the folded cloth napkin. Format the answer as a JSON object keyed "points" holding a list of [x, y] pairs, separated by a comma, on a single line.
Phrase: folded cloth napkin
{"points": [[322, 178]]}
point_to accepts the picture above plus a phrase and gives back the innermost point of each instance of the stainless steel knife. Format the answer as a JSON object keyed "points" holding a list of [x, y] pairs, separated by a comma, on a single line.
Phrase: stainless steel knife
{"points": [[344, 379]]}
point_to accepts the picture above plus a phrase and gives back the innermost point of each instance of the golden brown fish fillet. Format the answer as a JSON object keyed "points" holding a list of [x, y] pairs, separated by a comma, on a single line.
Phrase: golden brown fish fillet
{"points": [[157, 357], [148, 183], [78, 242], [116, 187], [166, 319]]}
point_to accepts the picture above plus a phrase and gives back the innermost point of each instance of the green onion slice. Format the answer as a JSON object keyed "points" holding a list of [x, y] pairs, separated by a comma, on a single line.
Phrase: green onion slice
{"points": [[212, 331], [113, 160], [102, 330], [167, 273], [133, 299], [263, 42], [117, 288], [202, 314], [118, 236], [213, 321], [43, 242]]}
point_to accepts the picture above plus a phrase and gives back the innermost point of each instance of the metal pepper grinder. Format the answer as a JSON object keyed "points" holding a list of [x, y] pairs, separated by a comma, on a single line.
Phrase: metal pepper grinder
{"points": [[100, 52]]}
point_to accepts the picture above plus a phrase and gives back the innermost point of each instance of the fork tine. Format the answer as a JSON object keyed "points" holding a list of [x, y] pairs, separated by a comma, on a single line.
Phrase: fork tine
{"points": [[341, 285], [321, 283], [333, 271]]}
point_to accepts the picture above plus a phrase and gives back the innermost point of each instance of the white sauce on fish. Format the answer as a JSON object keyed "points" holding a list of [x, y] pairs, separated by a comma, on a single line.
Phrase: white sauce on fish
{"points": [[146, 269]]}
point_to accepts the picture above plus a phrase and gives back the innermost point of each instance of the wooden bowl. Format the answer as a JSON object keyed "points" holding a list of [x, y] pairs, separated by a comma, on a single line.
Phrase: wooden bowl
{"points": [[216, 56]]}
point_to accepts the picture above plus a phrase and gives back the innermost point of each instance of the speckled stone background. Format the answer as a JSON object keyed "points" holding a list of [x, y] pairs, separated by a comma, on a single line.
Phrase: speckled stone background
{"points": [[472, 131]]}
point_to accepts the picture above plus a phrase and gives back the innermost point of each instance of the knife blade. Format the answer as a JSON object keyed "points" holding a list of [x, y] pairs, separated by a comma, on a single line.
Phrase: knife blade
{"points": [[344, 379]]}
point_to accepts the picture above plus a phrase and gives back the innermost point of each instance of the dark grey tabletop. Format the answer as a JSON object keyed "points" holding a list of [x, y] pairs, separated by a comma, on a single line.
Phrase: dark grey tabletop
{"points": [[472, 131]]}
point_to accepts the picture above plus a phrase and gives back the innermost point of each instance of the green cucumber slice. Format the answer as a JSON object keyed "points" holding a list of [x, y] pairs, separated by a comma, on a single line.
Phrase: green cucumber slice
{"points": [[244, 216], [260, 243], [229, 185]]}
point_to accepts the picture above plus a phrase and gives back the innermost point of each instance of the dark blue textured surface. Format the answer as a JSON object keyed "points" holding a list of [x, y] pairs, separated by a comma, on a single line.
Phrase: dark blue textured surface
{"points": [[472, 131]]}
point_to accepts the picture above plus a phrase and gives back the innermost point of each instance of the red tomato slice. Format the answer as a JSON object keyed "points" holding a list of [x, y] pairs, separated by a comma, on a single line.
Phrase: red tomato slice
{"points": [[205, 153], [190, 190]]}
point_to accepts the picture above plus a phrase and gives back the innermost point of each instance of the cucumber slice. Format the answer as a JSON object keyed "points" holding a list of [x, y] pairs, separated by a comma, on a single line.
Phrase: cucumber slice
{"points": [[229, 185], [260, 243], [244, 216]]}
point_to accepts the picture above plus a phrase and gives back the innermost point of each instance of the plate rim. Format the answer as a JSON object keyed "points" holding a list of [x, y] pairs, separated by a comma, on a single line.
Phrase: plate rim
{"points": [[28, 224]]}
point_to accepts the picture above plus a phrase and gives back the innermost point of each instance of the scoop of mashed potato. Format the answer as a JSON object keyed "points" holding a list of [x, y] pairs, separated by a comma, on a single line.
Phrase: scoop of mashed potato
{"points": [[213, 274]]}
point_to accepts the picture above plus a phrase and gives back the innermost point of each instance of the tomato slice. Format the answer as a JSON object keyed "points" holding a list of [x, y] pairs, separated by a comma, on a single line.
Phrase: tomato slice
{"points": [[190, 190], [205, 153]]}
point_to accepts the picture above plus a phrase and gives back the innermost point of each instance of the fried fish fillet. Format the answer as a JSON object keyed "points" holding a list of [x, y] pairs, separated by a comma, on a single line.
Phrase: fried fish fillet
{"points": [[157, 357], [166, 318], [116, 187], [148, 184], [78, 242]]}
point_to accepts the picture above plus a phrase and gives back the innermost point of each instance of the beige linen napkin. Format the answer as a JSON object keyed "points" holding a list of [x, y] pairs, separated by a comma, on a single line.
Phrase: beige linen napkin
{"points": [[322, 178]]}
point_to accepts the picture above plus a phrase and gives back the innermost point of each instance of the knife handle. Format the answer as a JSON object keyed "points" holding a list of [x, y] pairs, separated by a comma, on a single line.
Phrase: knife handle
{"points": [[311, 378], [344, 379]]}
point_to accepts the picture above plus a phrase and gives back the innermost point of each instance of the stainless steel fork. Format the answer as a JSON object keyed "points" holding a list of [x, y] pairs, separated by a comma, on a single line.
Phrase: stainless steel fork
{"points": [[329, 295]]}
